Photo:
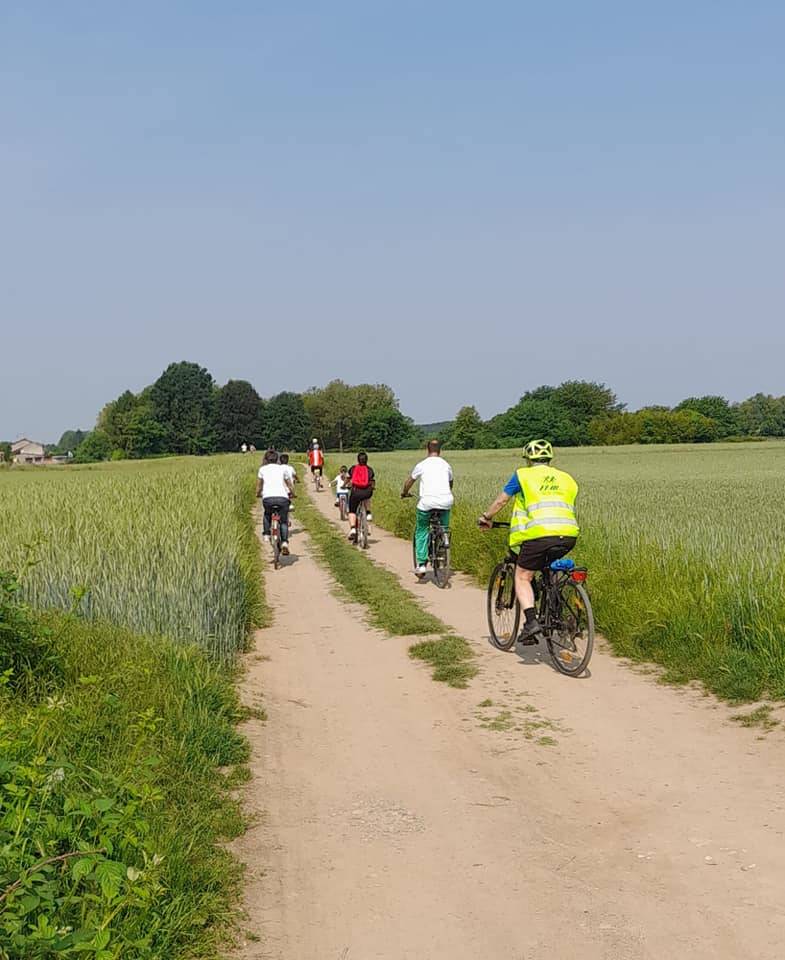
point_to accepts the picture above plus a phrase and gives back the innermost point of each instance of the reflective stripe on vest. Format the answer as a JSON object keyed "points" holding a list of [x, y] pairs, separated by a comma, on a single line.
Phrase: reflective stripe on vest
{"points": [[535, 515]]}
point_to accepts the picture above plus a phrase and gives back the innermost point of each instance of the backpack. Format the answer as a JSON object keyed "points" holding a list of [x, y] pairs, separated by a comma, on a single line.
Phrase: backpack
{"points": [[361, 475]]}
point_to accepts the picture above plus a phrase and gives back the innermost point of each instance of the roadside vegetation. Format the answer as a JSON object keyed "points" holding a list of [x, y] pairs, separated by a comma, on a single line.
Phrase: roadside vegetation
{"points": [[682, 545], [117, 756], [390, 606], [119, 750], [161, 547]]}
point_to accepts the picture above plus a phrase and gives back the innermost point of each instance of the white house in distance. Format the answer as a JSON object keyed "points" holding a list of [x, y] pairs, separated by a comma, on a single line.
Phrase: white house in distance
{"points": [[27, 451]]}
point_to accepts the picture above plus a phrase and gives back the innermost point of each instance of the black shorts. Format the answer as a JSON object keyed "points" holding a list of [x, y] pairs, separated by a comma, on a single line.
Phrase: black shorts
{"points": [[315, 470], [356, 497], [536, 554]]}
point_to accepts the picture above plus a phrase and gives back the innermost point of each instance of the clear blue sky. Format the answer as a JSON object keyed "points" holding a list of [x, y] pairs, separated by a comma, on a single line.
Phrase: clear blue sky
{"points": [[461, 199]]}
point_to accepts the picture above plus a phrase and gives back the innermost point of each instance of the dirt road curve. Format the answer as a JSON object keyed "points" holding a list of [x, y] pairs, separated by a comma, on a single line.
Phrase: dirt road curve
{"points": [[602, 818]]}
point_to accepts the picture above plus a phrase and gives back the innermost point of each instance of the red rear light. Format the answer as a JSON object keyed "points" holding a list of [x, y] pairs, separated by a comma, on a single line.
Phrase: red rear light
{"points": [[579, 576]]}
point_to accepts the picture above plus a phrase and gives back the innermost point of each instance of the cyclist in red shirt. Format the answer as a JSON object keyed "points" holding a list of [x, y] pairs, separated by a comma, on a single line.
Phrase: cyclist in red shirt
{"points": [[361, 485], [315, 458]]}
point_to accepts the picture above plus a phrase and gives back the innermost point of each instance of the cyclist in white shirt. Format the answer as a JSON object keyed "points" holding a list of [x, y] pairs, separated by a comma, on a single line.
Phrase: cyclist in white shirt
{"points": [[274, 487], [292, 474], [436, 480]]}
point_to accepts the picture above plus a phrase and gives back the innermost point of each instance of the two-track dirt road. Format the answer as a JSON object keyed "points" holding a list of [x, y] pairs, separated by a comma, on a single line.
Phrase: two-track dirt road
{"points": [[609, 817]]}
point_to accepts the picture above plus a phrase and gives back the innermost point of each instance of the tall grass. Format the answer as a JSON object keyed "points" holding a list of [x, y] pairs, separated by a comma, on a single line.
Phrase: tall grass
{"points": [[160, 547], [684, 546]]}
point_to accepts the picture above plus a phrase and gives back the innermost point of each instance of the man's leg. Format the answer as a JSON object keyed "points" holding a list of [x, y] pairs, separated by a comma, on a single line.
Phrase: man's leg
{"points": [[421, 537], [266, 520], [283, 511], [523, 588], [446, 515]]}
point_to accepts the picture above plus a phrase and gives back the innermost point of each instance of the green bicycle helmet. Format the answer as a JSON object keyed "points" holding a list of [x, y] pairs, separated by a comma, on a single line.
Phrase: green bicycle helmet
{"points": [[537, 450]]}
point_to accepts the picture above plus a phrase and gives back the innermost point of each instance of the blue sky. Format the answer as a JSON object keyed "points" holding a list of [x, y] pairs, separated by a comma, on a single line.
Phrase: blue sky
{"points": [[462, 200]]}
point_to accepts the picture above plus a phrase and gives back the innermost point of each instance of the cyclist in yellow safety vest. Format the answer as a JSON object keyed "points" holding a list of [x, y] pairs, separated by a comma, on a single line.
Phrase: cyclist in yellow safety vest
{"points": [[543, 526]]}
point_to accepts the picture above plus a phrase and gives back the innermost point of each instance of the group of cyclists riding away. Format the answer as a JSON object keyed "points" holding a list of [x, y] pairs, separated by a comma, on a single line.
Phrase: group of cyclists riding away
{"points": [[543, 526]]}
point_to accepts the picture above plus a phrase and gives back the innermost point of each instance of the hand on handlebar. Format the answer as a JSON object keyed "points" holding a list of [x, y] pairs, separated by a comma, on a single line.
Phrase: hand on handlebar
{"points": [[484, 523], [405, 496]]}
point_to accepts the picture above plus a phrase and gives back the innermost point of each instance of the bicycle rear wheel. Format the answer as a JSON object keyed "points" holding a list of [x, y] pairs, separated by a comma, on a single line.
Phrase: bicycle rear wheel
{"points": [[362, 527], [276, 541], [440, 561], [342, 507], [571, 636], [504, 612]]}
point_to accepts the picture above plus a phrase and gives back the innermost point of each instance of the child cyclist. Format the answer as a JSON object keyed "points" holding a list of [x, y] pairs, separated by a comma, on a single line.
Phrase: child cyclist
{"points": [[341, 484]]}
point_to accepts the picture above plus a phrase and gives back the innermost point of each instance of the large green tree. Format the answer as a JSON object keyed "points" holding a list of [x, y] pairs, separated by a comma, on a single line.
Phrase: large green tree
{"points": [[285, 422], [715, 408], [238, 415], [762, 416], [384, 428], [182, 403]]}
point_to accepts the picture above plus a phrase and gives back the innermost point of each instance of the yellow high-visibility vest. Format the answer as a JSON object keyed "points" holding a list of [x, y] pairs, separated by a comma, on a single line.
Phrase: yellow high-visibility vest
{"points": [[545, 507]]}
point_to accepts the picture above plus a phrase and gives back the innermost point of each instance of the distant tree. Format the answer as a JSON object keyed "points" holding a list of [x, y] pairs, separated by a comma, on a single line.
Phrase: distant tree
{"points": [[333, 412], [533, 418], [95, 446], [466, 428], [238, 415], [654, 425], [715, 408], [113, 417], [285, 423], [5, 447], [70, 441], [182, 403], [384, 428], [762, 416]]}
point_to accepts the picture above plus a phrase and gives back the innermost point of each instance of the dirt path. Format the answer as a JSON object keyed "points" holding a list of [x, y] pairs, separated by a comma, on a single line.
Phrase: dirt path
{"points": [[603, 818]]}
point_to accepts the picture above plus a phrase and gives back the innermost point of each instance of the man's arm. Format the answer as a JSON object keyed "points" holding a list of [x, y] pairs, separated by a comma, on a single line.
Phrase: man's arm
{"points": [[259, 485], [494, 508], [410, 481]]}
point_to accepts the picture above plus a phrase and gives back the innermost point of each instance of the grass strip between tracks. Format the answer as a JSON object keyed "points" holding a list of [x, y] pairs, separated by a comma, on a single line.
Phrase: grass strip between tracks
{"points": [[390, 606]]}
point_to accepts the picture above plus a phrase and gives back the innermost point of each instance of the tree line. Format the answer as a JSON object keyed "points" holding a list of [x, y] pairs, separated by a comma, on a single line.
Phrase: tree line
{"points": [[186, 412], [578, 413]]}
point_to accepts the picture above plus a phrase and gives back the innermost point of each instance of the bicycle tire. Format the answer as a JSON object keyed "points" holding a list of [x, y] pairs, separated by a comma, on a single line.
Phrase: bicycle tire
{"points": [[441, 562], [362, 527], [276, 539], [504, 617], [576, 618], [342, 508]]}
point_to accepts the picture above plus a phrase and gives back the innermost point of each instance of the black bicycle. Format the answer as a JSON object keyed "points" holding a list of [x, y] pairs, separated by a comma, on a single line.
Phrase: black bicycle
{"points": [[438, 548], [563, 610], [275, 537]]}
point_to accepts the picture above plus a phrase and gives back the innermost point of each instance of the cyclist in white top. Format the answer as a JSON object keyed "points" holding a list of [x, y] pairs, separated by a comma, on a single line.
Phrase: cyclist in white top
{"points": [[436, 480], [275, 488]]}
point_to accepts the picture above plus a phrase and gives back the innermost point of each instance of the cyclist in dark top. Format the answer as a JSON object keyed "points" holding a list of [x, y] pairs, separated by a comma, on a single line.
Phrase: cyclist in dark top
{"points": [[361, 485]]}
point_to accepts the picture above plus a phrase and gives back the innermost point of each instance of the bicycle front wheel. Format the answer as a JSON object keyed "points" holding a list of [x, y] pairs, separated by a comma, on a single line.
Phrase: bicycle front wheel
{"points": [[571, 637], [504, 612]]}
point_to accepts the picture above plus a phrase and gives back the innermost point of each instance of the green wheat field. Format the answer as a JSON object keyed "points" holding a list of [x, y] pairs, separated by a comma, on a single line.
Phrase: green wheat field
{"points": [[158, 546], [684, 545]]}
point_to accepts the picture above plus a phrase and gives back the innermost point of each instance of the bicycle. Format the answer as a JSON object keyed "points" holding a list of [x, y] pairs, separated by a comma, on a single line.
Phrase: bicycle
{"points": [[362, 530], [317, 481], [438, 548], [343, 505], [563, 610], [275, 538]]}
